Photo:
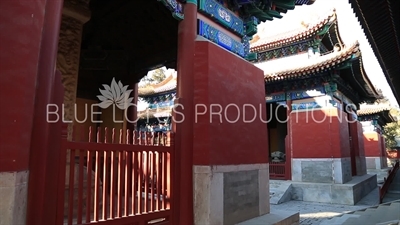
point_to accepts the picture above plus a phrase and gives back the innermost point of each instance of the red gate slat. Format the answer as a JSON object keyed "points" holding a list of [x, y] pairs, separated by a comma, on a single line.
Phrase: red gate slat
{"points": [[131, 179]]}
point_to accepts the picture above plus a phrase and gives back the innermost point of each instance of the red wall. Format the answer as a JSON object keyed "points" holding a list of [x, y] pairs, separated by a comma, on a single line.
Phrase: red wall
{"points": [[223, 78], [358, 138], [20, 37], [323, 139], [372, 144], [361, 143]]}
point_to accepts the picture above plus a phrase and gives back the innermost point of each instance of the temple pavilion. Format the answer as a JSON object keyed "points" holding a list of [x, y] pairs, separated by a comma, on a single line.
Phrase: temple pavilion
{"points": [[314, 85], [317, 82], [159, 100], [373, 119]]}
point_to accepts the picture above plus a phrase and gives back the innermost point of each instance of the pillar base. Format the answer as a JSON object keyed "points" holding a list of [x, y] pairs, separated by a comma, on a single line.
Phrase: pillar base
{"points": [[344, 194], [361, 165], [230, 194], [13, 193], [323, 170]]}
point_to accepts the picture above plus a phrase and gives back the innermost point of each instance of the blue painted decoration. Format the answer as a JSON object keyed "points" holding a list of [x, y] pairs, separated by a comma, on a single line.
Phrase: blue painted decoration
{"points": [[161, 104], [220, 38], [275, 98], [305, 106], [319, 91], [222, 15]]}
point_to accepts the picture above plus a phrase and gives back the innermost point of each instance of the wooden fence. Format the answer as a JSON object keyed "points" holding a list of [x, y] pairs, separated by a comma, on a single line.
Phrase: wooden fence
{"points": [[277, 170], [117, 177]]}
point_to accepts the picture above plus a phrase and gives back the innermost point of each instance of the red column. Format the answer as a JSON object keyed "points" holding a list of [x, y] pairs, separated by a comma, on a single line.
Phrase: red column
{"points": [[20, 41], [183, 201], [132, 111], [43, 164], [288, 147]]}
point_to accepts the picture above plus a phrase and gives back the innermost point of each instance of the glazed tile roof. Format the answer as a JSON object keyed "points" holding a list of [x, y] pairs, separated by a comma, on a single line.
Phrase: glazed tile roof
{"points": [[155, 113], [292, 36], [382, 110], [166, 85], [302, 68], [372, 109]]}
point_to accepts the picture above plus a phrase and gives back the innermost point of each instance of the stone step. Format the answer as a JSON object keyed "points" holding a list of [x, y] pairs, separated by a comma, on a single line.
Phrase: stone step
{"points": [[280, 192], [275, 217], [339, 219], [382, 213], [360, 213], [393, 222], [382, 209]]}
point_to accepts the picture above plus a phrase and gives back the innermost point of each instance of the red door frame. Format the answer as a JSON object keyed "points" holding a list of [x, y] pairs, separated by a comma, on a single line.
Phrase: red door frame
{"points": [[41, 193]]}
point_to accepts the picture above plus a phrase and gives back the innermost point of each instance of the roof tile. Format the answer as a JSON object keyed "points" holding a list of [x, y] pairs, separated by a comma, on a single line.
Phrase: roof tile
{"points": [[312, 65], [293, 35]]}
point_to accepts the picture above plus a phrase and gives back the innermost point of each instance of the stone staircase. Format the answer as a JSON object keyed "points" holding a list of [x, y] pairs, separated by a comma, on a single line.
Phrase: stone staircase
{"points": [[384, 214], [393, 192], [275, 217], [279, 191]]}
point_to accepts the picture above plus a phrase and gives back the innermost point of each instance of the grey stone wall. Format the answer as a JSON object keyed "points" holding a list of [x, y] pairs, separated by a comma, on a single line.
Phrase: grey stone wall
{"points": [[346, 170], [318, 172], [230, 194], [346, 194], [241, 196], [336, 170]]}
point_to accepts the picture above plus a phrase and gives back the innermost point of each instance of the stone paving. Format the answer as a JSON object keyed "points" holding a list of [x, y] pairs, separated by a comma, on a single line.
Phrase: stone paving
{"points": [[314, 213]]}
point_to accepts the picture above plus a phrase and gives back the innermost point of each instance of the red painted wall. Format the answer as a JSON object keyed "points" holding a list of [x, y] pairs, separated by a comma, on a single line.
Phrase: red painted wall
{"points": [[361, 144], [223, 78], [372, 144], [20, 37], [358, 145], [326, 138], [383, 146]]}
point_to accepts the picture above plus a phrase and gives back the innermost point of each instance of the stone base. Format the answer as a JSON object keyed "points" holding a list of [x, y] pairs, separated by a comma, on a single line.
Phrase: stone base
{"points": [[230, 194], [321, 170], [361, 165], [346, 194], [280, 191], [275, 218], [376, 162], [380, 174], [13, 195]]}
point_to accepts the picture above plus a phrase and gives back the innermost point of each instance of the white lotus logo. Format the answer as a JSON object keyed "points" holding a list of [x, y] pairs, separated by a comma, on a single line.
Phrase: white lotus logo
{"points": [[116, 94]]}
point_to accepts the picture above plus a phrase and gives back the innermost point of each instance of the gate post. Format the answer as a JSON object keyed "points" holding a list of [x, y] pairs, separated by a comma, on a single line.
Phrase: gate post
{"points": [[288, 146], [182, 205], [42, 193]]}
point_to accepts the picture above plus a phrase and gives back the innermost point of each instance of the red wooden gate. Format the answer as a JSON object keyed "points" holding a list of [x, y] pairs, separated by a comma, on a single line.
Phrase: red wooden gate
{"points": [[119, 177], [282, 170]]}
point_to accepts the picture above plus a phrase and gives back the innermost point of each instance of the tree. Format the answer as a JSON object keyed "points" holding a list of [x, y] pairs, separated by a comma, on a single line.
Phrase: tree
{"points": [[392, 130], [156, 76]]}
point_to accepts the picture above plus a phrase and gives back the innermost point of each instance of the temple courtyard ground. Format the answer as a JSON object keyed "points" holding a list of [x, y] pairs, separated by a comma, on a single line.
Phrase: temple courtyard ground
{"points": [[312, 213], [317, 213]]}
